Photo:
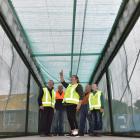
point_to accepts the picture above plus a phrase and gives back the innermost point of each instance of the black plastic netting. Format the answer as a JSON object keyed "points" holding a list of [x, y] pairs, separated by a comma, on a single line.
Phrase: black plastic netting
{"points": [[124, 74], [13, 90]]}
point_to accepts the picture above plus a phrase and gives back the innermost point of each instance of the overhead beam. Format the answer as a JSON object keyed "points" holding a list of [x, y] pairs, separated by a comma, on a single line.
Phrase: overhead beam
{"points": [[128, 14], [73, 33], [64, 54], [80, 82], [68, 30]]}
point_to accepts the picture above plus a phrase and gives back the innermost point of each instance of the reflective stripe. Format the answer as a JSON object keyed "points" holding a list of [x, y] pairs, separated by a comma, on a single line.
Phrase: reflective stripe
{"points": [[71, 92], [89, 101], [48, 103], [71, 99], [96, 107], [47, 92], [97, 104]]}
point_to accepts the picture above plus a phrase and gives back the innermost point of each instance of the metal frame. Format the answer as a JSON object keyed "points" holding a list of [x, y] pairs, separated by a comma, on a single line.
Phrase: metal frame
{"points": [[120, 12], [73, 33], [31, 69], [109, 101], [16, 46], [16, 34], [63, 54], [27, 103], [121, 28]]}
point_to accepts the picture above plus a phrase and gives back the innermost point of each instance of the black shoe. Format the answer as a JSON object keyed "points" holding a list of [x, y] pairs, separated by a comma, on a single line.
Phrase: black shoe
{"points": [[68, 134], [81, 134], [48, 135], [54, 134], [42, 135], [72, 135], [61, 134], [77, 135], [97, 134], [91, 134]]}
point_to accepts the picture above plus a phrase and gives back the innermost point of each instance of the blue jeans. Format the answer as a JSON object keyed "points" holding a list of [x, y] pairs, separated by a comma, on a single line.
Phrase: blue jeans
{"points": [[96, 120], [83, 117], [59, 121]]}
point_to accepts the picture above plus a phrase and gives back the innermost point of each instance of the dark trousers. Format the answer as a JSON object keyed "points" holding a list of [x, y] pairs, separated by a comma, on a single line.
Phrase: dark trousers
{"points": [[59, 121], [96, 120], [71, 114], [46, 117], [84, 115]]}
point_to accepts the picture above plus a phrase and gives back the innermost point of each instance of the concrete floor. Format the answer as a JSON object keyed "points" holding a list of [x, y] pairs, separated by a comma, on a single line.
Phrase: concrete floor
{"points": [[72, 138]]}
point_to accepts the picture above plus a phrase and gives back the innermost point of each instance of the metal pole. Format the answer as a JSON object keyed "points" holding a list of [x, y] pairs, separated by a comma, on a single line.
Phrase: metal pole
{"points": [[109, 101], [27, 104]]}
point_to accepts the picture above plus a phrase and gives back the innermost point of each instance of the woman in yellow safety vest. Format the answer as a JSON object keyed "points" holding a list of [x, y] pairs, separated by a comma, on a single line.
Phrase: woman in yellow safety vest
{"points": [[72, 99]]}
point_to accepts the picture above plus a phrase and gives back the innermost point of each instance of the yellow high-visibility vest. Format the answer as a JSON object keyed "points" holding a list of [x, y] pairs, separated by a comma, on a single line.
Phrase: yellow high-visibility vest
{"points": [[95, 100], [71, 96], [47, 100]]}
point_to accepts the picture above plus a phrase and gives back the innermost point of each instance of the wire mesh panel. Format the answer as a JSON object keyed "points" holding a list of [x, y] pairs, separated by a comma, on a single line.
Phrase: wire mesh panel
{"points": [[13, 87], [124, 77], [106, 118], [33, 106], [71, 32]]}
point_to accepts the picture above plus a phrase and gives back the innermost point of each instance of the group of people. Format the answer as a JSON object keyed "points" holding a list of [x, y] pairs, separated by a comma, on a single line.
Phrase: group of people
{"points": [[89, 104]]}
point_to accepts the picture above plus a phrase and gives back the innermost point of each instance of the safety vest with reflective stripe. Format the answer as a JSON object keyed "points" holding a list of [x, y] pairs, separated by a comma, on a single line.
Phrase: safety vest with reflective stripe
{"points": [[59, 96], [47, 100], [95, 100], [71, 96]]}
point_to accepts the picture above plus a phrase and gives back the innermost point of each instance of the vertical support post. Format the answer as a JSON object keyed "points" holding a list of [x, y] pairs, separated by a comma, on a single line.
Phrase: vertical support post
{"points": [[39, 115], [27, 103], [109, 101]]}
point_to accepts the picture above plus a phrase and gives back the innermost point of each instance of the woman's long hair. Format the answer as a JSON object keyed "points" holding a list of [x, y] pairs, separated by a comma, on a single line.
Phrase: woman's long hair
{"points": [[77, 78]]}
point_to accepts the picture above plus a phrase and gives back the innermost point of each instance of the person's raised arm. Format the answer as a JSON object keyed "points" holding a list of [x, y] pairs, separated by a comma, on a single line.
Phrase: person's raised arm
{"points": [[62, 76], [62, 79]]}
